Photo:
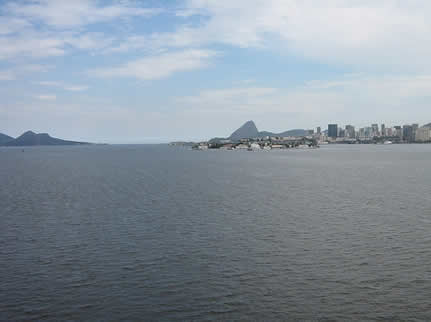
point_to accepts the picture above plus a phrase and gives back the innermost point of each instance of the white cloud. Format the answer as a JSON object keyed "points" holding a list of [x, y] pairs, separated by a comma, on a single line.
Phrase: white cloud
{"points": [[21, 70], [48, 83], [184, 37], [31, 44], [75, 88], [46, 28], [384, 34], [67, 87], [359, 99], [46, 97], [234, 98], [7, 75], [10, 25], [34, 67], [47, 44], [390, 88], [67, 13], [93, 40], [381, 34], [159, 66]]}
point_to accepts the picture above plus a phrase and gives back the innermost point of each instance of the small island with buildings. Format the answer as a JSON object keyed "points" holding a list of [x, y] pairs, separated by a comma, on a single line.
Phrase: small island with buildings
{"points": [[247, 137]]}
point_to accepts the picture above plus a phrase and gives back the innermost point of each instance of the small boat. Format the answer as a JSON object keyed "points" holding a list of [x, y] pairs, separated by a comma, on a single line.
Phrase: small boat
{"points": [[387, 142]]}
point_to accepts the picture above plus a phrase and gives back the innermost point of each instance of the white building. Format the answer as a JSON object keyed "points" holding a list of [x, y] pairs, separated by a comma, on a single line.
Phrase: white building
{"points": [[242, 146], [255, 146], [423, 134]]}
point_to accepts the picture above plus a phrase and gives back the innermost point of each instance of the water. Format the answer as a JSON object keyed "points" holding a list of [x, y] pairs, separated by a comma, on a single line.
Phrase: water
{"points": [[161, 233]]}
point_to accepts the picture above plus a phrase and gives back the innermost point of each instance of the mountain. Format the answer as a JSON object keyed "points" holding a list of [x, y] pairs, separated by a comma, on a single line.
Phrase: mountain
{"points": [[295, 132], [248, 130], [5, 138], [30, 138]]}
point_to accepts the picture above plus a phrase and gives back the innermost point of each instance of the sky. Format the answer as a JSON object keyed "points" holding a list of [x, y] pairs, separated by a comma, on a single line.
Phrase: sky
{"points": [[155, 71]]}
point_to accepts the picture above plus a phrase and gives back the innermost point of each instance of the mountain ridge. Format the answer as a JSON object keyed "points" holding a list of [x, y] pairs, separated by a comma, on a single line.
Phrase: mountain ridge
{"points": [[249, 130], [30, 138], [5, 138]]}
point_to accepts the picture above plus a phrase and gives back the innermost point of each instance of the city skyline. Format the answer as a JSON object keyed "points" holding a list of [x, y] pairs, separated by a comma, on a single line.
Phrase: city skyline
{"points": [[406, 132]]}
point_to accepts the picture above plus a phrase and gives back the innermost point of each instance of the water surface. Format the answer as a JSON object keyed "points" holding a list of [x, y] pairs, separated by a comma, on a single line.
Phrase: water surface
{"points": [[162, 233]]}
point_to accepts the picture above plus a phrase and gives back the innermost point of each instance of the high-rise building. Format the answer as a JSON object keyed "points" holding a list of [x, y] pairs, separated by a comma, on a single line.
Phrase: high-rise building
{"points": [[423, 134], [318, 130], [382, 130], [415, 127], [408, 133], [398, 131], [350, 131], [332, 130], [374, 130]]}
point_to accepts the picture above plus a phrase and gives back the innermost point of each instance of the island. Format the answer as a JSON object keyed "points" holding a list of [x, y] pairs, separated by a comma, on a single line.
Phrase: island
{"points": [[248, 137], [31, 138]]}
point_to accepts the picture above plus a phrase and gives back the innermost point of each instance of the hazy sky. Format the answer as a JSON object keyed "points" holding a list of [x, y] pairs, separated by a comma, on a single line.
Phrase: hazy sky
{"points": [[151, 71]]}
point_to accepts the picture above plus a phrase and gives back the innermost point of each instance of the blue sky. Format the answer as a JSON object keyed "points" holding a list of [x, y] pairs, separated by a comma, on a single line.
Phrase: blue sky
{"points": [[155, 71]]}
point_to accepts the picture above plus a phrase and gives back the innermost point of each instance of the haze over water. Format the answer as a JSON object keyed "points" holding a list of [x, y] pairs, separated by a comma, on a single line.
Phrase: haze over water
{"points": [[160, 233]]}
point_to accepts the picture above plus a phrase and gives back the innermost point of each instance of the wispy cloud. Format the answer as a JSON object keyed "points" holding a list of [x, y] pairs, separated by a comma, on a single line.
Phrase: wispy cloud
{"points": [[46, 97], [49, 83], [65, 13], [183, 37], [47, 28], [7, 75], [230, 98], [47, 44], [34, 67], [10, 25], [75, 88], [89, 40], [31, 44], [384, 34], [361, 98], [19, 71], [67, 87], [159, 66]]}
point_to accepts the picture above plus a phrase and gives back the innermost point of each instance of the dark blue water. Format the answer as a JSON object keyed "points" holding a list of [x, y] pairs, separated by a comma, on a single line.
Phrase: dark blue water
{"points": [[148, 233]]}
